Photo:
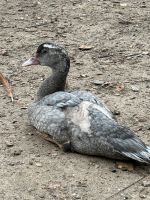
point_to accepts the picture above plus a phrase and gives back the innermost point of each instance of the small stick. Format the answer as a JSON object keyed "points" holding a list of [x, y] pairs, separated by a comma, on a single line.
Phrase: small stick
{"points": [[6, 86], [110, 197]]}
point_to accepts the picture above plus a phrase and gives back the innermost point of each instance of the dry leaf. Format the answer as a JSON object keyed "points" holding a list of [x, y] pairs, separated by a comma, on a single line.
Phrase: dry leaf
{"points": [[125, 166], [119, 88], [85, 47], [7, 86]]}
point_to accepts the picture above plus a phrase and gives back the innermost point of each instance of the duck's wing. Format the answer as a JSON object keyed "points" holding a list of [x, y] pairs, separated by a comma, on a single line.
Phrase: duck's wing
{"points": [[88, 96], [114, 137], [60, 100], [129, 145], [48, 115]]}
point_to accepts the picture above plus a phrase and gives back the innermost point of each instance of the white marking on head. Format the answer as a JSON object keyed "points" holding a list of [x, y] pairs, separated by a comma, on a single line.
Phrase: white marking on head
{"points": [[55, 46], [50, 46]]}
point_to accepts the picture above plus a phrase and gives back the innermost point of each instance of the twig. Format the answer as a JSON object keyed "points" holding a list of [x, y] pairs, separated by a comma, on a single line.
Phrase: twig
{"points": [[110, 197], [6, 86]]}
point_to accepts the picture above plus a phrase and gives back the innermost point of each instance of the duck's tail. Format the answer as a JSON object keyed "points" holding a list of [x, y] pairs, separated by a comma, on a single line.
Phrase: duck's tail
{"points": [[141, 156]]}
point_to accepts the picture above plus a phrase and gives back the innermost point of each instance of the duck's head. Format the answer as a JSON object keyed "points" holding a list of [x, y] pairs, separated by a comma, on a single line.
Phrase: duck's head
{"points": [[52, 55]]}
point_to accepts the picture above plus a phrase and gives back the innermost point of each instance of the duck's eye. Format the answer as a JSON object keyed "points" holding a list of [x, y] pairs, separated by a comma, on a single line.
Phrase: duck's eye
{"points": [[44, 51]]}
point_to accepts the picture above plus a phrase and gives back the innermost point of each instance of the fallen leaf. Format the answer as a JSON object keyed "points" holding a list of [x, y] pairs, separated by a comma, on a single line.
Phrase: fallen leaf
{"points": [[125, 166], [120, 88], [7, 86], [85, 47]]}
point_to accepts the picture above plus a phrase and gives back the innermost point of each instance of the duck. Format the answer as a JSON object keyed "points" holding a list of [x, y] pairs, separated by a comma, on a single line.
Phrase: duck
{"points": [[78, 121]]}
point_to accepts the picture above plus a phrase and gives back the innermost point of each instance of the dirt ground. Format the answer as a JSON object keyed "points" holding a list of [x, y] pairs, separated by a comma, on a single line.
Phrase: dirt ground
{"points": [[116, 69]]}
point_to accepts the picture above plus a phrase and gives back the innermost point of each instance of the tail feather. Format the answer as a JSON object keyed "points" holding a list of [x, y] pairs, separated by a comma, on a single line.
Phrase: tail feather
{"points": [[141, 156]]}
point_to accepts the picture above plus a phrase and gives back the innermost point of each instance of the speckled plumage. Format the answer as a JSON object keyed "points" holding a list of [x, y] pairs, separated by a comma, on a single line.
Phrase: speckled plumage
{"points": [[78, 117]]}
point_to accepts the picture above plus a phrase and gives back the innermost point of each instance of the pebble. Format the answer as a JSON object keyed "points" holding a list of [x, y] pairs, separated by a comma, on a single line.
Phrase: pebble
{"points": [[4, 52], [142, 119], [116, 112], [41, 195], [134, 88], [148, 127], [145, 52], [146, 183], [16, 152], [123, 4], [85, 47], [38, 164], [83, 75], [9, 143], [97, 82], [113, 170], [143, 196], [144, 193], [30, 162]]}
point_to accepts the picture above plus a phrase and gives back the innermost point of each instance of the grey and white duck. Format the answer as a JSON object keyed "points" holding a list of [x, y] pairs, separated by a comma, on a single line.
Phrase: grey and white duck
{"points": [[78, 121]]}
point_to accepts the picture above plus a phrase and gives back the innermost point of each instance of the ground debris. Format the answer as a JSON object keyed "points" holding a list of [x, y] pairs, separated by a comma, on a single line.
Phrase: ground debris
{"points": [[16, 152], [134, 88], [125, 166], [7, 86], [4, 52], [9, 143], [146, 183], [120, 87], [102, 83], [85, 47]]}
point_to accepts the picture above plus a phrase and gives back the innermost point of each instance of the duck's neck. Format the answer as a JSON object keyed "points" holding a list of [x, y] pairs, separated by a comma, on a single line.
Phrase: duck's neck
{"points": [[56, 82]]}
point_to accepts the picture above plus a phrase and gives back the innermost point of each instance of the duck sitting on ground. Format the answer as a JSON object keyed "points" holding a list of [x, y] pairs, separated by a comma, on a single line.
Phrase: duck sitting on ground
{"points": [[78, 121]]}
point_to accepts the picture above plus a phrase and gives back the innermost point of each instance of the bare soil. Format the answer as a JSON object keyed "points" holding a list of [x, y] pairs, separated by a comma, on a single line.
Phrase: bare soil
{"points": [[119, 60]]}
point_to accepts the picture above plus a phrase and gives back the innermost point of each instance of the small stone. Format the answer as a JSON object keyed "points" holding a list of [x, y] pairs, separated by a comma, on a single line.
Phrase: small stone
{"points": [[97, 82], [113, 170], [38, 164], [16, 152], [83, 75], [99, 73], [125, 166], [142, 119], [42, 195], [9, 143], [11, 163], [4, 52], [123, 4], [143, 196], [30, 162], [85, 47], [134, 88], [145, 53], [148, 127], [144, 193], [116, 112], [96, 166], [146, 183]]}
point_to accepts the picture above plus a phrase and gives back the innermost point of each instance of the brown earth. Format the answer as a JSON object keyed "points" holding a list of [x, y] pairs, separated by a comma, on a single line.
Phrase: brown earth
{"points": [[118, 32]]}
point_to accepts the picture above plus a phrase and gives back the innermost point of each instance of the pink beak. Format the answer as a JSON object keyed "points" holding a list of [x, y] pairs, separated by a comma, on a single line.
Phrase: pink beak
{"points": [[32, 61]]}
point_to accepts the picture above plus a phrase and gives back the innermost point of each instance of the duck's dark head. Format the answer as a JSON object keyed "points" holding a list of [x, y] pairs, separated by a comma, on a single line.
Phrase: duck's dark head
{"points": [[52, 55]]}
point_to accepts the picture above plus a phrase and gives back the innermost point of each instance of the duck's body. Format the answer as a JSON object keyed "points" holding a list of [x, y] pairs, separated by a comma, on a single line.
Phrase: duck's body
{"points": [[78, 120]]}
